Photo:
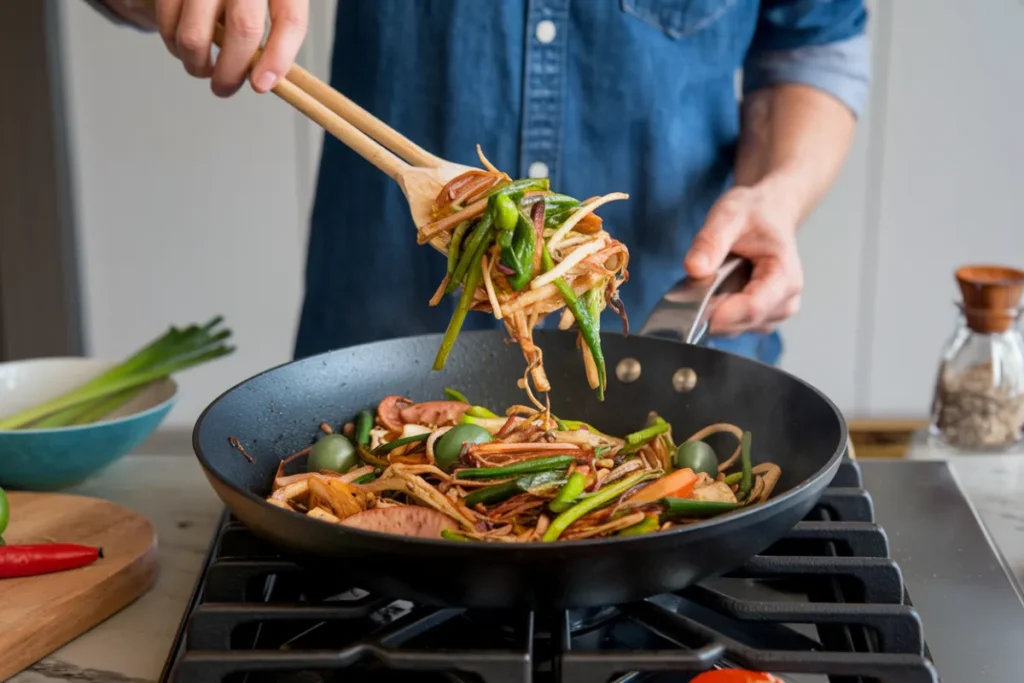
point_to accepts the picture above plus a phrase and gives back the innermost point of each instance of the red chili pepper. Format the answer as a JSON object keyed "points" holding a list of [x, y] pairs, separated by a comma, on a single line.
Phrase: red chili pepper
{"points": [[30, 560], [735, 676]]}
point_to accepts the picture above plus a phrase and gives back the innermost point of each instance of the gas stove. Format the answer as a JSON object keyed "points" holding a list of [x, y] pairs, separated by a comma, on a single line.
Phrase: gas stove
{"points": [[839, 599]]}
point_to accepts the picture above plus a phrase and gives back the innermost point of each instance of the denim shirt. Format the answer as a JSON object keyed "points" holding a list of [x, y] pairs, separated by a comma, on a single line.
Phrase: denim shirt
{"points": [[637, 96]]}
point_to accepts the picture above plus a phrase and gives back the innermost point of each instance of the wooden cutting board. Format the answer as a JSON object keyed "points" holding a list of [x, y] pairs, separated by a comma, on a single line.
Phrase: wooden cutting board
{"points": [[39, 614]]}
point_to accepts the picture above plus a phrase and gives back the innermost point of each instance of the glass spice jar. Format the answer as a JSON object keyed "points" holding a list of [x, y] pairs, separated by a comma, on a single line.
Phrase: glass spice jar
{"points": [[979, 393]]}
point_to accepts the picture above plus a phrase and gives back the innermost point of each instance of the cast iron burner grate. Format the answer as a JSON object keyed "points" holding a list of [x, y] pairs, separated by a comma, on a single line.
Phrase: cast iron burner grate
{"points": [[826, 603]]}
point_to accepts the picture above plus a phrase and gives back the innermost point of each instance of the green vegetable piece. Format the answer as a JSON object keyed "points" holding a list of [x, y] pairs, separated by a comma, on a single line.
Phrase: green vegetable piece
{"points": [[599, 499], [5, 511], [698, 456], [477, 243], [554, 462], [747, 480], [648, 433], [517, 253], [585, 323], [450, 535], [334, 453], [533, 483], [398, 443], [480, 411], [506, 213], [568, 493], [364, 423], [455, 245], [367, 478], [370, 459], [644, 526], [687, 507], [465, 299], [448, 448], [455, 395], [733, 479]]}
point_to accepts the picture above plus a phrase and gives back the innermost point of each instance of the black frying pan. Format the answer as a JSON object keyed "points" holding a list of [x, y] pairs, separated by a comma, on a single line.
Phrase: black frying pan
{"points": [[278, 412]]}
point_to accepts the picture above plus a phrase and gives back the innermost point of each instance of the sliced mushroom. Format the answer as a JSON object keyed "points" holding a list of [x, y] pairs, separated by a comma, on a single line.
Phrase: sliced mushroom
{"points": [[398, 478], [717, 491], [405, 520]]}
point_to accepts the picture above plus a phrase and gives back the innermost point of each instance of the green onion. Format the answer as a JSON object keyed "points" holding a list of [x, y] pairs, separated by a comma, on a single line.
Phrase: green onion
{"points": [[172, 352], [450, 535], [364, 423], [747, 480], [645, 435], [455, 395], [553, 462], [480, 411], [600, 498], [398, 443]]}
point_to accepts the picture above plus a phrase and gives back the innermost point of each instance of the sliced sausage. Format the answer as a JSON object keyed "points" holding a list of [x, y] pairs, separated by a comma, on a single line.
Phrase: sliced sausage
{"points": [[405, 520], [435, 413], [389, 412]]}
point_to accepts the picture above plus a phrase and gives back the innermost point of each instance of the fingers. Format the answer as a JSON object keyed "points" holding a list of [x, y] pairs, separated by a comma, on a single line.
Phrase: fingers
{"points": [[772, 295], [194, 36], [724, 224], [244, 23], [167, 14], [289, 20]]}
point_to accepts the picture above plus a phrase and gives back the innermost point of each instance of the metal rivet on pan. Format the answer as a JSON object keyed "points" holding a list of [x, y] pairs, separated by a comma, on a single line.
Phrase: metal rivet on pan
{"points": [[684, 379], [628, 370]]}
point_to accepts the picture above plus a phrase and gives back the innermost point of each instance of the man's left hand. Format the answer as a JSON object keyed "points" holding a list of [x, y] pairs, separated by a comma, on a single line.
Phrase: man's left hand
{"points": [[753, 223]]}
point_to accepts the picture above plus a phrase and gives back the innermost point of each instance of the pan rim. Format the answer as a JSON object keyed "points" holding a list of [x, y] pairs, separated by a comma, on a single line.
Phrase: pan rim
{"points": [[736, 517]]}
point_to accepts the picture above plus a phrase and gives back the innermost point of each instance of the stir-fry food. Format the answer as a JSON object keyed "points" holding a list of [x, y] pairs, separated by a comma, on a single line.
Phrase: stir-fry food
{"points": [[454, 470], [521, 252]]}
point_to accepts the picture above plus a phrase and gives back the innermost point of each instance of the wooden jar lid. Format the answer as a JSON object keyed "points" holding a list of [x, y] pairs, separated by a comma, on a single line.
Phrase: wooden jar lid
{"points": [[991, 296]]}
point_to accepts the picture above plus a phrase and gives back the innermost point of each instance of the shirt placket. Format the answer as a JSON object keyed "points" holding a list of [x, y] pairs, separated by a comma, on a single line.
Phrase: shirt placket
{"points": [[546, 36]]}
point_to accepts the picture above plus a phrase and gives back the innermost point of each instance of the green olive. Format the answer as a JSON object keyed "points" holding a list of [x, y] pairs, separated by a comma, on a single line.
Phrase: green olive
{"points": [[5, 511], [698, 456], [333, 452], [449, 446]]}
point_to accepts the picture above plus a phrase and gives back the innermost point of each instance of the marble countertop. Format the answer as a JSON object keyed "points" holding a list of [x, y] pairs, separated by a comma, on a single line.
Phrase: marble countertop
{"points": [[172, 492]]}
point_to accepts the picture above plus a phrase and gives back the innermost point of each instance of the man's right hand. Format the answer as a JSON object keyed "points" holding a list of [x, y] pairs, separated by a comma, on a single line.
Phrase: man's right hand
{"points": [[186, 27]]}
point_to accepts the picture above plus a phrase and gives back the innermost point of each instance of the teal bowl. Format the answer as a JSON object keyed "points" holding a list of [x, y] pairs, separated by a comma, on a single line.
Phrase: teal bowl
{"points": [[52, 459]]}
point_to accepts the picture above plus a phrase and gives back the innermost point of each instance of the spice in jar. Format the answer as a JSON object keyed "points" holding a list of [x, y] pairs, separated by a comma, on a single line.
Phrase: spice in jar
{"points": [[974, 410]]}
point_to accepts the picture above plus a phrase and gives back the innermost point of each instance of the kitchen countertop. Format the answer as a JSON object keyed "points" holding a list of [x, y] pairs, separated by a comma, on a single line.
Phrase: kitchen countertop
{"points": [[172, 492]]}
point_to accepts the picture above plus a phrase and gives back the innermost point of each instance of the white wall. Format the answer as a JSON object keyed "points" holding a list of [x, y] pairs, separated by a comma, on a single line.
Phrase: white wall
{"points": [[189, 205]]}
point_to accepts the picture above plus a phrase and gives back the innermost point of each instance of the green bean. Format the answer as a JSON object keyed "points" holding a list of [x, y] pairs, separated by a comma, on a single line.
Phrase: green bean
{"points": [[733, 479], [506, 213], [475, 246], [688, 507], [747, 480], [465, 301], [398, 443], [645, 435], [599, 499], [364, 423], [568, 493], [525, 467], [455, 245], [450, 535]]}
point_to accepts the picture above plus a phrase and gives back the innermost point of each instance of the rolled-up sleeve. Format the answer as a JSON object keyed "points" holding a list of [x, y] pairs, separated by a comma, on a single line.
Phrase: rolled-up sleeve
{"points": [[820, 43]]}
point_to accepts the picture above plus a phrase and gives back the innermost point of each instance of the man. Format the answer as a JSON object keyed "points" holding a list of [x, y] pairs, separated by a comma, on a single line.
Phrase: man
{"points": [[635, 96]]}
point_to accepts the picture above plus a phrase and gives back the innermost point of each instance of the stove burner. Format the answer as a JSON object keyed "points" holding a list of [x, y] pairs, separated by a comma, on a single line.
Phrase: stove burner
{"points": [[826, 603]]}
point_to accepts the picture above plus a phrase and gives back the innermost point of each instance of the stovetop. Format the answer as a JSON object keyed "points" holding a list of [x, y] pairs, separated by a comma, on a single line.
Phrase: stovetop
{"points": [[826, 603]]}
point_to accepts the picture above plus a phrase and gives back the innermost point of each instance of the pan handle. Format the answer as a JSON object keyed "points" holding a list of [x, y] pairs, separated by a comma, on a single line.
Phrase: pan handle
{"points": [[685, 309]]}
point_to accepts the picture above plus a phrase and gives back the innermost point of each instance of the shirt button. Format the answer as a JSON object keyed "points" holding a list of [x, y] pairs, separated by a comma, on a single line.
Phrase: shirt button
{"points": [[546, 31], [538, 169]]}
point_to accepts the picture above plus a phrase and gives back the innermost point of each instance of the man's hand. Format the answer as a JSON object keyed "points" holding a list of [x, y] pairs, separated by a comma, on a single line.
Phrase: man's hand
{"points": [[753, 223], [187, 29]]}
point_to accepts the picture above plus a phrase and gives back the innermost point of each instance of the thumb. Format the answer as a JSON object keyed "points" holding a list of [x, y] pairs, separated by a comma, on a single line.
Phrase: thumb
{"points": [[722, 228]]}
